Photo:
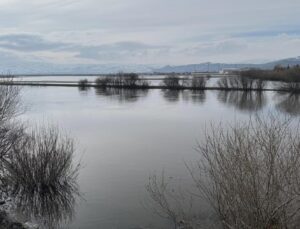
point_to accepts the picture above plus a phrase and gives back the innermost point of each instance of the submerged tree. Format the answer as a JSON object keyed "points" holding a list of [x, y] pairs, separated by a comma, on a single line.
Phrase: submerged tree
{"points": [[37, 173]]}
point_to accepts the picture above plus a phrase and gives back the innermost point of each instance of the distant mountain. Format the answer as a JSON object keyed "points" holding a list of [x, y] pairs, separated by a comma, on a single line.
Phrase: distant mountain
{"points": [[26, 67], [215, 67], [44, 68]]}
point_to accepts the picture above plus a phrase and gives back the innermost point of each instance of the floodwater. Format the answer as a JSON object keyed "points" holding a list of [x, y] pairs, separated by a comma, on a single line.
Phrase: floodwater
{"points": [[124, 136]]}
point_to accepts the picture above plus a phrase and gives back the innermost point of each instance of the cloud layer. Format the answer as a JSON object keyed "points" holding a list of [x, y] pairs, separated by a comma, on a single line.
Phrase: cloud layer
{"points": [[148, 32]]}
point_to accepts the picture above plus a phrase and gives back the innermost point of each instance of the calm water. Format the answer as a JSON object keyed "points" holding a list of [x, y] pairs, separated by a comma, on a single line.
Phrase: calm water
{"points": [[125, 136]]}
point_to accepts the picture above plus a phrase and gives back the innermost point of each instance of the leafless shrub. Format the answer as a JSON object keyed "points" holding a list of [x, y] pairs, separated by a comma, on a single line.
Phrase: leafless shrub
{"points": [[223, 83], [130, 80], [10, 107], [103, 81], [198, 82], [41, 177], [9, 102], [36, 168], [289, 86], [171, 81], [260, 84], [250, 173], [171, 203], [241, 82], [83, 83], [10, 135], [279, 73]]}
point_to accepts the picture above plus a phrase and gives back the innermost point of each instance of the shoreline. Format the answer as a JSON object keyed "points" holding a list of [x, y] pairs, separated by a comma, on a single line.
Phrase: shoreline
{"points": [[92, 85]]}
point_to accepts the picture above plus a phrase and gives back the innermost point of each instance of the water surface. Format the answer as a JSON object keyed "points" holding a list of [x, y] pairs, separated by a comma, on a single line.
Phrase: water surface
{"points": [[123, 136]]}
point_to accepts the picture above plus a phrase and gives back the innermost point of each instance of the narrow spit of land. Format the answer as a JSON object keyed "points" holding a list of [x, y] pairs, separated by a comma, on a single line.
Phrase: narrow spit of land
{"points": [[92, 85], [280, 79], [135, 87]]}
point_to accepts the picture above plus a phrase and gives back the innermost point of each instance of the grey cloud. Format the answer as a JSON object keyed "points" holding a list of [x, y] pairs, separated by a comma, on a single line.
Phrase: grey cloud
{"points": [[27, 42], [30, 43], [118, 50]]}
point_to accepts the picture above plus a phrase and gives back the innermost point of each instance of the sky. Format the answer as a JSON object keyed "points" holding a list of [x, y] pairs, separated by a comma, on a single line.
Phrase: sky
{"points": [[148, 32]]}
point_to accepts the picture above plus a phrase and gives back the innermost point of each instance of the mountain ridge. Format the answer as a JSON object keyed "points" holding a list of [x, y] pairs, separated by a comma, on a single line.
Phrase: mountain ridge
{"points": [[47, 68], [216, 67]]}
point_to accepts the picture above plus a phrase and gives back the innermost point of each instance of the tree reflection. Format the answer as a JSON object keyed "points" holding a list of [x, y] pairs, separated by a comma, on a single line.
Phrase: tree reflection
{"points": [[288, 102], [243, 100], [83, 90], [196, 96], [122, 94], [171, 95]]}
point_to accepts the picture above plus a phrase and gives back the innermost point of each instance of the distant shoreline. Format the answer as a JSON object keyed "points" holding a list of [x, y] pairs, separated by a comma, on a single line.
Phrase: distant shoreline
{"points": [[90, 85]]}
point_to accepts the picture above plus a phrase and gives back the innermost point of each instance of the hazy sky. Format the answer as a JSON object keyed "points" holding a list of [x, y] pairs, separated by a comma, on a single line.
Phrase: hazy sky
{"points": [[148, 31]]}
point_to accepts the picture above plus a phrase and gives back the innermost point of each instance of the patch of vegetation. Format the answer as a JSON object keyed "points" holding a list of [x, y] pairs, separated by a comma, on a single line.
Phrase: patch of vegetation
{"points": [[83, 83], [241, 82], [172, 81], [247, 172], [279, 73], [128, 80], [37, 175], [199, 82]]}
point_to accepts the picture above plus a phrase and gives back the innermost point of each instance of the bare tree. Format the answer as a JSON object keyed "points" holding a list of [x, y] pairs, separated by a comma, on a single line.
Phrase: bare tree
{"points": [[10, 107], [9, 102], [250, 173], [172, 203], [171, 81], [83, 83], [199, 82]]}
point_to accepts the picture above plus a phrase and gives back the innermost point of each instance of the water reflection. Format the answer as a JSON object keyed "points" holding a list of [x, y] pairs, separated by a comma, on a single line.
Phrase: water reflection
{"points": [[288, 102], [198, 96], [84, 90], [171, 95], [243, 100], [122, 94], [47, 211]]}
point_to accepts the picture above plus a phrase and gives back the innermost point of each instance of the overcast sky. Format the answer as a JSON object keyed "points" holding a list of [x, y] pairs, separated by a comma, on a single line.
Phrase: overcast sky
{"points": [[148, 31]]}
